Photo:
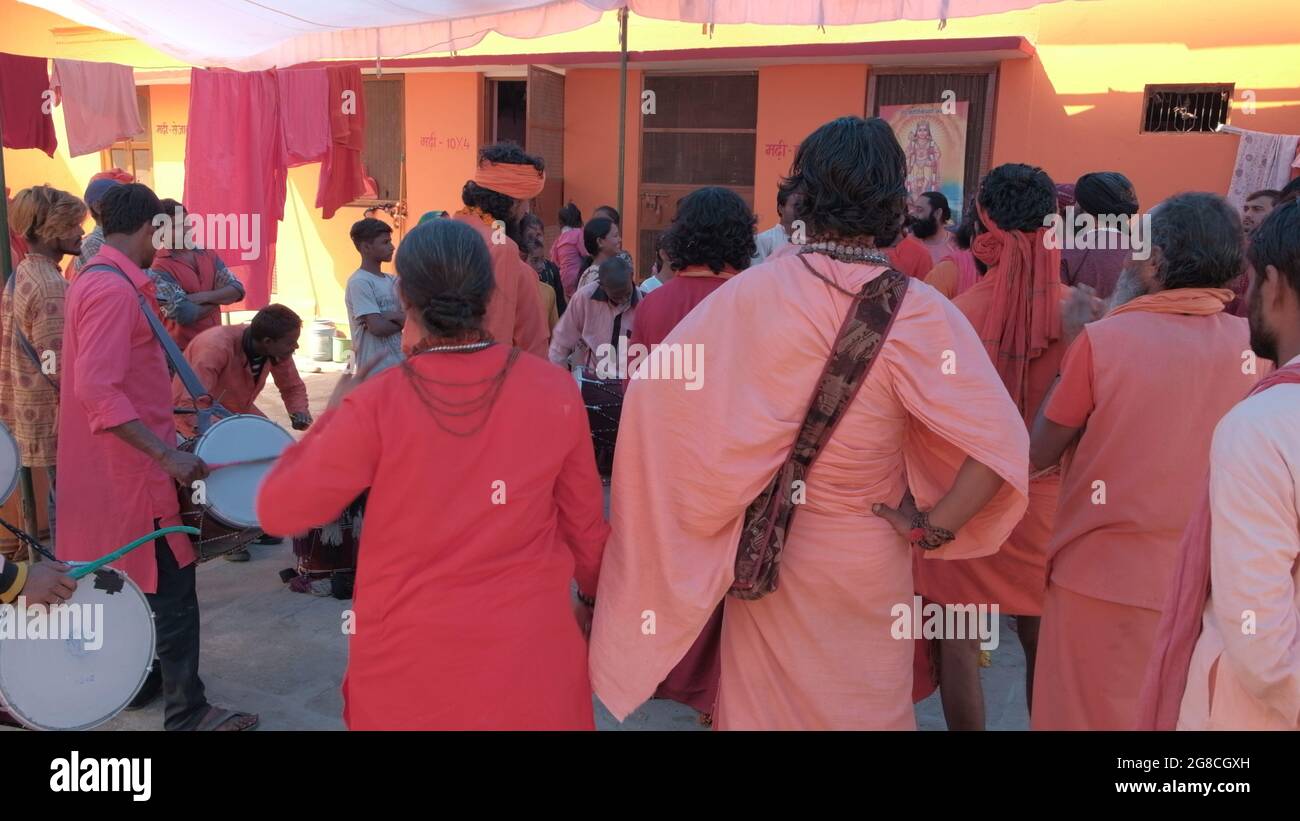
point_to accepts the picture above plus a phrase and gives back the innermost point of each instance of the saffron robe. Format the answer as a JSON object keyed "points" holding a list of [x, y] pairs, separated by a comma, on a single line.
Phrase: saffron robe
{"points": [[1014, 578], [817, 653], [1127, 491]]}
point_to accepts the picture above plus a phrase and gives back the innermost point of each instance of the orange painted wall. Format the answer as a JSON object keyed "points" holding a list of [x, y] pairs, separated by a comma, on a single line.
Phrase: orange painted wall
{"points": [[1077, 106], [1072, 108], [442, 140], [591, 144], [792, 102]]}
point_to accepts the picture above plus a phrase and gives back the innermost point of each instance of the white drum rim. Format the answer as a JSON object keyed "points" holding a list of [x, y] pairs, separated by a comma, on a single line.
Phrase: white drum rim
{"points": [[32, 724], [212, 509], [7, 488]]}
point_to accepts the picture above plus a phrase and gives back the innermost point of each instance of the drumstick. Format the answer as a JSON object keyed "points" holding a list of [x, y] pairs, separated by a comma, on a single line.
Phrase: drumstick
{"points": [[90, 567], [219, 465]]}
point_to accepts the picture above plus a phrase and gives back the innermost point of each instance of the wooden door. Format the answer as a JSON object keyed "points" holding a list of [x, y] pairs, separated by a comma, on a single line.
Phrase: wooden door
{"points": [[545, 130], [702, 132]]}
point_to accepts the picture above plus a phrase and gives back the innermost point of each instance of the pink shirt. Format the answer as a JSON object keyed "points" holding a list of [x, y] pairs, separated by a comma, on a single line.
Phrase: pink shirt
{"points": [[589, 322], [567, 254], [114, 371]]}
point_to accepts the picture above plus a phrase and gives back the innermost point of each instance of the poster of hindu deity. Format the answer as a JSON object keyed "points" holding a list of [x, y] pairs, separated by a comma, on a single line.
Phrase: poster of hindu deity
{"points": [[933, 136]]}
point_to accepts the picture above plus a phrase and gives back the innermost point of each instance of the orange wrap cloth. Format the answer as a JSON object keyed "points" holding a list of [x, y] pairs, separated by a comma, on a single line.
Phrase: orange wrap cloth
{"points": [[1024, 316], [518, 181]]}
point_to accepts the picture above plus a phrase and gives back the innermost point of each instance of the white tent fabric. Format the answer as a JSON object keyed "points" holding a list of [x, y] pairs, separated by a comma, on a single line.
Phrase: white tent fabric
{"points": [[250, 35]]}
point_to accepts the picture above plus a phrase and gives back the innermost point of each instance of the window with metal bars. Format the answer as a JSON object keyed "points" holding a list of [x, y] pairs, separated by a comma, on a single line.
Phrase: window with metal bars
{"points": [[1185, 108]]}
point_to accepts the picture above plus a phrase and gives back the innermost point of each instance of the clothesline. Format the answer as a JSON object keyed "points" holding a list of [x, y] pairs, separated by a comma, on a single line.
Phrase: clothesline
{"points": [[246, 130]]}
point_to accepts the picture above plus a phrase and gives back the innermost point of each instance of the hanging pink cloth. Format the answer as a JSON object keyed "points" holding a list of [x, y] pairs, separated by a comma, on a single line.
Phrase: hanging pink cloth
{"points": [[342, 175], [99, 103], [235, 171], [304, 114], [24, 111]]}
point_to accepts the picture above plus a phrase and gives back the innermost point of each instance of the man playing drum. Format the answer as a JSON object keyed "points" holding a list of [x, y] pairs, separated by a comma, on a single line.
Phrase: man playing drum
{"points": [[118, 463], [233, 361]]}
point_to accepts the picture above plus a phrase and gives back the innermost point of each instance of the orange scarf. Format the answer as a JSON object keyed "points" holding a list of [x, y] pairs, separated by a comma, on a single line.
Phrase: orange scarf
{"points": [[1024, 314], [1193, 301], [516, 180]]}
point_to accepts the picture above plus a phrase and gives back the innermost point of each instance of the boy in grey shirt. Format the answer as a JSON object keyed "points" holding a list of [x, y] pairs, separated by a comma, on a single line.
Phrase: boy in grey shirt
{"points": [[374, 313]]}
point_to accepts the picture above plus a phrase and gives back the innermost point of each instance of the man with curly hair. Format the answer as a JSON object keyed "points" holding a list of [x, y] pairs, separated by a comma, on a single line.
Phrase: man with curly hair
{"points": [[710, 240], [495, 200]]}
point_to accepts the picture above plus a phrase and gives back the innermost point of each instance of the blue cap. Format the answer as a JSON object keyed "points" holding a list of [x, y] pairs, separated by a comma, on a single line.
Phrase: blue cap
{"points": [[98, 188]]}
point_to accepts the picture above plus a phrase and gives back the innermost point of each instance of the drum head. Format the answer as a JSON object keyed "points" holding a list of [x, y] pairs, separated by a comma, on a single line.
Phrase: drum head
{"points": [[232, 492], [10, 463], [63, 682]]}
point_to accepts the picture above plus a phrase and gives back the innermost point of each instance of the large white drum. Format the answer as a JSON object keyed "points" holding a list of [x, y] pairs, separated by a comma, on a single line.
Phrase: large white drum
{"points": [[226, 511], [69, 683], [232, 492]]}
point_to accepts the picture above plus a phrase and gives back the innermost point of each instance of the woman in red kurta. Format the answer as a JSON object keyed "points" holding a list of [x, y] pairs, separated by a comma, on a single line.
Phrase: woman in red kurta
{"points": [[484, 505]]}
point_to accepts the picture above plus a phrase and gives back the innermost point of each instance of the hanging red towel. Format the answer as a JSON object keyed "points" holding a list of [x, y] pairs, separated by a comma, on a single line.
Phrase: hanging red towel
{"points": [[24, 104], [305, 114], [342, 175], [235, 172], [99, 103]]}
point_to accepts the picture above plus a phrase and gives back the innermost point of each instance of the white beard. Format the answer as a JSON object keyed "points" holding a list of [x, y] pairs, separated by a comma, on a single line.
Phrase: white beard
{"points": [[1128, 288]]}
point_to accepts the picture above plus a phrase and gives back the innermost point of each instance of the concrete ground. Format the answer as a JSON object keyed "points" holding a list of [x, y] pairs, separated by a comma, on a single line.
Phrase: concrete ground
{"points": [[282, 654]]}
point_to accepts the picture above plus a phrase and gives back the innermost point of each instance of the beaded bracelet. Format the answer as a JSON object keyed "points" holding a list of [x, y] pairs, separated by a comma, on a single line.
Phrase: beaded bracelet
{"points": [[926, 535]]}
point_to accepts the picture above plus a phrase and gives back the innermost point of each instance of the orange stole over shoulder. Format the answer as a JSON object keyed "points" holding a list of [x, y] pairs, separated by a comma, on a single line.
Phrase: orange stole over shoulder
{"points": [[1016, 310]]}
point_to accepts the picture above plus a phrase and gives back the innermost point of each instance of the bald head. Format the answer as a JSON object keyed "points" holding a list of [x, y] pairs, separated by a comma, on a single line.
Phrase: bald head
{"points": [[615, 278]]}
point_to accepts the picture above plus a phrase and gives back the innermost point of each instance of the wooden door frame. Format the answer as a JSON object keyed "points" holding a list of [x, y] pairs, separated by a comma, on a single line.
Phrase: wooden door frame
{"points": [[400, 79]]}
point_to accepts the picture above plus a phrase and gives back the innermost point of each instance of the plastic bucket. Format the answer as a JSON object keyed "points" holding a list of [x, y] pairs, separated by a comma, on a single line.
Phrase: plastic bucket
{"points": [[322, 336], [342, 349]]}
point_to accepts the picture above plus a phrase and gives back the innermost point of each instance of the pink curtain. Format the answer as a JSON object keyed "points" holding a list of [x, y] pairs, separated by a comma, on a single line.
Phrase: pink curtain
{"points": [[235, 173]]}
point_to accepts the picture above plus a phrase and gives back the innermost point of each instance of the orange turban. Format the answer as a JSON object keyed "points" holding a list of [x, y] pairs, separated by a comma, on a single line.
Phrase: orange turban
{"points": [[518, 181]]}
